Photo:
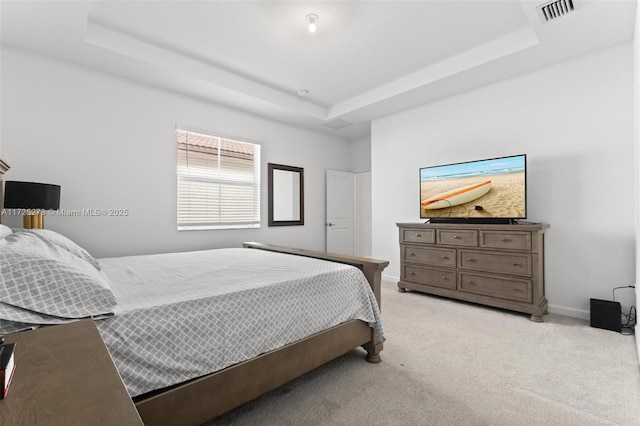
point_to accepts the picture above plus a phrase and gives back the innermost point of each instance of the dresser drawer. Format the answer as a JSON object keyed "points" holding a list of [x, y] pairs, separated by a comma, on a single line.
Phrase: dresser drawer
{"points": [[429, 256], [464, 237], [418, 236], [506, 240], [433, 277], [504, 288], [501, 263]]}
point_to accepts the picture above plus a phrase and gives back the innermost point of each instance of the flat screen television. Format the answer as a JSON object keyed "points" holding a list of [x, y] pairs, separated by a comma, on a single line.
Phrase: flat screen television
{"points": [[482, 191]]}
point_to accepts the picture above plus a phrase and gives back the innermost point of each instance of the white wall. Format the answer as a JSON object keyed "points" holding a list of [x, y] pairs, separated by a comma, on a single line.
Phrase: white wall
{"points": [[360, 154], [574, 120], [360, 157], [111, 143], [636, 109], [362, 215]]}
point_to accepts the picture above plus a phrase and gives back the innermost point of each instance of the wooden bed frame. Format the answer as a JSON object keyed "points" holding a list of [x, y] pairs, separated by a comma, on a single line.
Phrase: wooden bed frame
{"points": [[206, 398]]}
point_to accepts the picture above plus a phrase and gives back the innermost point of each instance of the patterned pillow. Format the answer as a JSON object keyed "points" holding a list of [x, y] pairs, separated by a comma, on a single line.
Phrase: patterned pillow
{"points": [[52, 237], [45, 278], [4, 230]]}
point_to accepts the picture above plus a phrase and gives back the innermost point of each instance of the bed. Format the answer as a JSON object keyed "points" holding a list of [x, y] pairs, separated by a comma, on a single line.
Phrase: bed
{"points": [[164, 321]]}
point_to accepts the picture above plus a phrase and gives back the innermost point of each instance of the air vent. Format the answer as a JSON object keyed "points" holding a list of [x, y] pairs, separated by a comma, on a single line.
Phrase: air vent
{"points": [[555, 9], [337, 124]]}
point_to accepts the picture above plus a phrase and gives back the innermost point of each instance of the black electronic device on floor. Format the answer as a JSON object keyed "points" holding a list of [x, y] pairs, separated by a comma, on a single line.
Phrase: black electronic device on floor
{"points": [[606, 314]]}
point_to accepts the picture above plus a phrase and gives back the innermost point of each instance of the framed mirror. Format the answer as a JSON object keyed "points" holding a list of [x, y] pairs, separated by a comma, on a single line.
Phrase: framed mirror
{"points": [[286, 195]]}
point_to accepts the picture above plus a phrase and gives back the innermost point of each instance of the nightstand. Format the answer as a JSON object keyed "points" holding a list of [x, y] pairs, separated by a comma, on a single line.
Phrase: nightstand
{"points": [[65, 376]]}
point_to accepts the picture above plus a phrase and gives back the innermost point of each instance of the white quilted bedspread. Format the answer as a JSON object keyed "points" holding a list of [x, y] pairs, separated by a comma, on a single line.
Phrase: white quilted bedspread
{"points": [[184, 315]]}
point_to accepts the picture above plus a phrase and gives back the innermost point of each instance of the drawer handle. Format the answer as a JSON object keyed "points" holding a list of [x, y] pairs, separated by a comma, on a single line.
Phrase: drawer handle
{"points": [[445, 257], [516, 264], [412, 273], [445, 278], [471, 259], [504, 239], [418, 235], [517, 290], [411, 253], [455, 237], [472, 283]]}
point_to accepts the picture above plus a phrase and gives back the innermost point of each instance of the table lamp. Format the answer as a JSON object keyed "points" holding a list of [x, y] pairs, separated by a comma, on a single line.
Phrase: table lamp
{"points": [[31, 196]]}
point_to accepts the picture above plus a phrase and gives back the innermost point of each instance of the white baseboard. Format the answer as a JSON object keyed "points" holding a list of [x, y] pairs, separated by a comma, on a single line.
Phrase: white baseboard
{"points": [[570, 312], [391, 278]]}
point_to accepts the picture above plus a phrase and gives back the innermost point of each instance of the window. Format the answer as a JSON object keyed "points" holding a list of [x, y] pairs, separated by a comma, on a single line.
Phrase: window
{"points": [[218, 182]]}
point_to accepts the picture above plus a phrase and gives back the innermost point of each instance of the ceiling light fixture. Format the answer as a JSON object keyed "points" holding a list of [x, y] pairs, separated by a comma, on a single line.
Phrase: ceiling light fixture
{"points": [[312, 18]]}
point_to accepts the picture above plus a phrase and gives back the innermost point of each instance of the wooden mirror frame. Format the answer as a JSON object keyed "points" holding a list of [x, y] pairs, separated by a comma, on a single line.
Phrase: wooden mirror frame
{"points": [[299, 170]]}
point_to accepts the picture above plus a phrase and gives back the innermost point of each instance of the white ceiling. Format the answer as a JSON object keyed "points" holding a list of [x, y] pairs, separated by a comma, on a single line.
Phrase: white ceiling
{"points": [[367, 58]]}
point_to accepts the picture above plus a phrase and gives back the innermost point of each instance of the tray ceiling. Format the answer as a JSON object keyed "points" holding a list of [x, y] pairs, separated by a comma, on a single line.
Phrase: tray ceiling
{"points": [[367, 58]]}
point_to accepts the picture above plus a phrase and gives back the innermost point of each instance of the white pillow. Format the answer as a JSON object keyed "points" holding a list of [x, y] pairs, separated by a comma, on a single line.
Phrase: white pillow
{"points": [[5, 230], [45, 278], [52, 237]]}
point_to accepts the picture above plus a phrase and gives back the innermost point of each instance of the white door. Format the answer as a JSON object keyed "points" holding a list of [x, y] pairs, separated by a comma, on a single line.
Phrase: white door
{"points": [[339, 217]]}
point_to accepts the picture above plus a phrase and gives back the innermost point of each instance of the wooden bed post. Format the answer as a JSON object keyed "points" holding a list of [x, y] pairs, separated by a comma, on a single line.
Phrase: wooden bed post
{"points": [[373, 272]]}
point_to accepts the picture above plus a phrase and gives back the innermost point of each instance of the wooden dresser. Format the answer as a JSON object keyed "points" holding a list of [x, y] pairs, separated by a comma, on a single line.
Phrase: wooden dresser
{"points": [[495, 265]]}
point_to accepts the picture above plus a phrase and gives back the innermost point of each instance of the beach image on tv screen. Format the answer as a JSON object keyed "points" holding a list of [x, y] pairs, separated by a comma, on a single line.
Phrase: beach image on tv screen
{"points": [[481, 189]]}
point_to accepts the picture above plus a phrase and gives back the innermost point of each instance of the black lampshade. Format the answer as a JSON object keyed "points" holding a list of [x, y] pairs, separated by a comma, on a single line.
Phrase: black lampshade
{"points": [[31, 195]]}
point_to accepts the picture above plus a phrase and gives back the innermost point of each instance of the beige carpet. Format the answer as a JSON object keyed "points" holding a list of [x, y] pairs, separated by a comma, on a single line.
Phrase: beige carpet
{"points": [[452, 363]]}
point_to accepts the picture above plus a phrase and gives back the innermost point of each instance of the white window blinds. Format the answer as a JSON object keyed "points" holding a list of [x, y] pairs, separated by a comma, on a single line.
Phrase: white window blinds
{"points": [[218, 182]]}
